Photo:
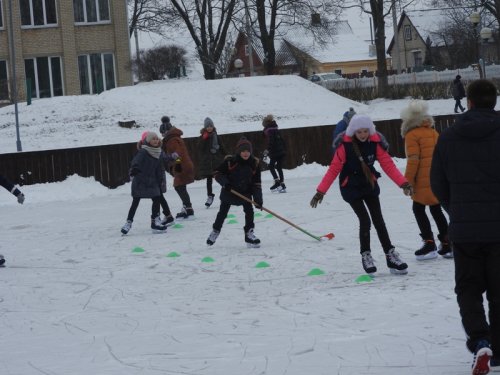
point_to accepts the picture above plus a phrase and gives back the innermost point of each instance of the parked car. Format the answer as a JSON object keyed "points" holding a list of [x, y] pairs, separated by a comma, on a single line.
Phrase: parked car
{"points": [[327, 79]]}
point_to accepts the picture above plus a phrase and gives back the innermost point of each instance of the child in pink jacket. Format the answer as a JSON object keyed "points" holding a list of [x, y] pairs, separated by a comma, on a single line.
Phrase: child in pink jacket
{"points": [[353, 160]]}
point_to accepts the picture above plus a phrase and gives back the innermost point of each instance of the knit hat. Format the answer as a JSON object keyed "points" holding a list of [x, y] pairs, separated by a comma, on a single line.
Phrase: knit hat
{"points": [[208, 123], [243, 145], [165, 124], [147, 137], [415, 115], [268, 120], [348, 115], [360, 122]]}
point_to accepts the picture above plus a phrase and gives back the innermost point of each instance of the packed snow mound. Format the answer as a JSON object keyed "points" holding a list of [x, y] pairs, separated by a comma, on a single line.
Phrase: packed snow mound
{"points": [[234, 104]]}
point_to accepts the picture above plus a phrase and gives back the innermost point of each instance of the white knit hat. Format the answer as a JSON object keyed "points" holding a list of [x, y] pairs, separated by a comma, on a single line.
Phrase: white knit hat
{"points": [[360, 122]]}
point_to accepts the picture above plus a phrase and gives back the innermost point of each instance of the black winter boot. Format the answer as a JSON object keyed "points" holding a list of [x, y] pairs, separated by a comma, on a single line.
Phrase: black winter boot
{"points": [[428, 249], [444, 248], [276, 185]]}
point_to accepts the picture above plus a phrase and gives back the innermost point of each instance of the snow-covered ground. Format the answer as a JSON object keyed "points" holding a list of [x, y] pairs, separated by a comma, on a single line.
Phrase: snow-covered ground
{"points": [[76, 121], [75, 299]]}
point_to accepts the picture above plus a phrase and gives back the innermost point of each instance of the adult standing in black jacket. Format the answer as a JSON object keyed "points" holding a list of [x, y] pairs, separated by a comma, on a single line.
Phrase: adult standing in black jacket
{"points": [[465, 177], [458, 92], [17, 193]]}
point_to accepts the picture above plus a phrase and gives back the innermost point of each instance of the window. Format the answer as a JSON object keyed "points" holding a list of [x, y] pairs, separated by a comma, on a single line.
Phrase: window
{"points": [[1, 16], [338, 71], [38, 12], [247, 50], [97, 73], [44, 76], [407, 32], [91, 11], [4, 81]]}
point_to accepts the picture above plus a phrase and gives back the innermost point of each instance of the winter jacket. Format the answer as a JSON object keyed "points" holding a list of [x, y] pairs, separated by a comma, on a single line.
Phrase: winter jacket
{"points": [[183, 172], [353, 182], [465, 176], [210, 158], [457, 89], [420, 141], [243, 176], [9, 186], [275, 143], [147, 173]]}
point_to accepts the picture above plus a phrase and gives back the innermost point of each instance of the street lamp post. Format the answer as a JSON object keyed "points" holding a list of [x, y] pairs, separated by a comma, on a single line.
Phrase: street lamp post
{"points": [[238, 64], [13, 74], [484, 36]]}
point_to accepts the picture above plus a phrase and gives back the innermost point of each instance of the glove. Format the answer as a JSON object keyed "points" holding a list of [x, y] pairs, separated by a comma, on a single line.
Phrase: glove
{"points": [[265, 153], [407, 189], [228, 187], [258, 204], [174, 155], [318, 198], [20, 198]]}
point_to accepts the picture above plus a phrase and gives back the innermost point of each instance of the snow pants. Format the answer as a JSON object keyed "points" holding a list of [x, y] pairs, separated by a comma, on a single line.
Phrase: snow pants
{"points": [[477, 271]]}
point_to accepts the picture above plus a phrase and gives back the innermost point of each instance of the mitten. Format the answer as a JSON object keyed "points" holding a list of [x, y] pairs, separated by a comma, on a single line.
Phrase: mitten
{"points": [[174, 155], [318, 198], [407, 189], [20, 198], [258, 204], [265, 153]]}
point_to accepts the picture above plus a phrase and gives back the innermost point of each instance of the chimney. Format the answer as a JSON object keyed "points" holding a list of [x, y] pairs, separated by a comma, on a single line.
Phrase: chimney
{"points": [[315, 19]]}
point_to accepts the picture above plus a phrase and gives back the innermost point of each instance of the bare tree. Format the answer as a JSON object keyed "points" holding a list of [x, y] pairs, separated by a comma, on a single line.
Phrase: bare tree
{"points": [[208, 22], [148, 15], [269, 16], [379, 10]]}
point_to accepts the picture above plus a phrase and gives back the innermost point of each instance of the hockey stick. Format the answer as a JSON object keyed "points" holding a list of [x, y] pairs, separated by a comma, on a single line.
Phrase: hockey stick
{"points": [[327, 236]]}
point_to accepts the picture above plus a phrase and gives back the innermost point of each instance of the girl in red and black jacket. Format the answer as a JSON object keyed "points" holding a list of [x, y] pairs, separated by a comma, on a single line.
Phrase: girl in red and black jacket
{"points": [[354, 157]]}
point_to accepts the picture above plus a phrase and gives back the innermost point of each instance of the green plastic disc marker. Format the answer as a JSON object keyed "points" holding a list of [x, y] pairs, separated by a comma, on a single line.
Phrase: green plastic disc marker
{"points": [[269, 216], [178, 226], [137, 250], [173, 254], [316, 272], [231, 216], [364, 279], [257, 214], [232, 221], [207, 260], [262, 265]]}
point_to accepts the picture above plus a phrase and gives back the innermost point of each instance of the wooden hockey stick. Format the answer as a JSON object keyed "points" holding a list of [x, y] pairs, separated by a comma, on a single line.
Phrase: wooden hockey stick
{"points": [[328, 236]]}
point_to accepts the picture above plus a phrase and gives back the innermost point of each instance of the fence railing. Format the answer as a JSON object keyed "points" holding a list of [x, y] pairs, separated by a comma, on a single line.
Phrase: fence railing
{"points": [[468, 74], [109, 164]]}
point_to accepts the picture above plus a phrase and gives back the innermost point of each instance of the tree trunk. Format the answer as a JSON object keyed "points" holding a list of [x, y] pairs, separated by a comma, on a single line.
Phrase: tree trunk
{"points": [[377, 8]]}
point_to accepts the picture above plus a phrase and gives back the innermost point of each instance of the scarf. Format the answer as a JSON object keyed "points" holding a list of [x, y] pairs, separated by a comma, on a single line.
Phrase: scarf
{"points": [[214, 147], [153, 151]]}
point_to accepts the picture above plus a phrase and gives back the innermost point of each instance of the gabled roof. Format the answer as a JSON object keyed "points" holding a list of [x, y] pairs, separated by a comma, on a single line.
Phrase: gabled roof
{"points": [[343, 46], [426, 22]]}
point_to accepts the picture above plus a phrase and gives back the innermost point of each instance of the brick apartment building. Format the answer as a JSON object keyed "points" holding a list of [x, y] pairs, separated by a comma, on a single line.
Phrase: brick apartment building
{"points": [[65, 47]]}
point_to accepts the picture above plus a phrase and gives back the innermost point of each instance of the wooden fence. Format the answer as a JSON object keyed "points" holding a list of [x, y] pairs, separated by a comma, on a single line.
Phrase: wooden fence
{"points": [[109, 164]]}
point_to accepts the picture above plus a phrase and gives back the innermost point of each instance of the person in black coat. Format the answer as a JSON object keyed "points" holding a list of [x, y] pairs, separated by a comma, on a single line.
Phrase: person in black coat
{"points": [[239, 172], [276, 151], [148, 176], [8, 185], [458, 92], [465, 177]]}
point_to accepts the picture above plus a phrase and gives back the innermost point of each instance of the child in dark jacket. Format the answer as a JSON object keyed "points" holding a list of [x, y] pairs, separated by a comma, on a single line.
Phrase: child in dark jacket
{"points": [[17, 193], [353, 160], [147, 176], [239, 172], [276, 151], [211, 155]]}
